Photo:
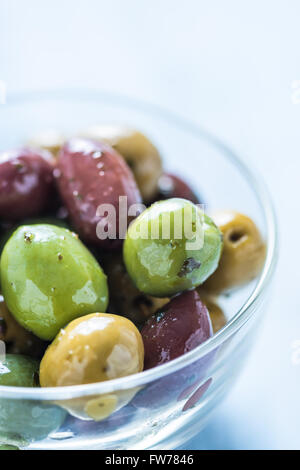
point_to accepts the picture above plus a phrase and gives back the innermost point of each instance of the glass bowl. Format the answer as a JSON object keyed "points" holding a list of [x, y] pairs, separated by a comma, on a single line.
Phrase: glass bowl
{"points": [[163, 407]]}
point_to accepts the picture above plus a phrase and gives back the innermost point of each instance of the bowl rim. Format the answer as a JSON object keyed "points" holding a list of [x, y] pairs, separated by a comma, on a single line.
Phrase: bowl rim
{"points": [[243, 314]]}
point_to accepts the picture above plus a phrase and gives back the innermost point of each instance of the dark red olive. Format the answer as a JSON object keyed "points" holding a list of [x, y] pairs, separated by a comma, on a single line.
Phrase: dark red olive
{"points": [[180, 326], [92, 174], [177, 328], [26, 182], [170, 186]]}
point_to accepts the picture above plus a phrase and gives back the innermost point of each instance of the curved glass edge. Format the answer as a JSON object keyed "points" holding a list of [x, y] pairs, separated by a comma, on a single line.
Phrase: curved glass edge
{"points": [[237, 321]]}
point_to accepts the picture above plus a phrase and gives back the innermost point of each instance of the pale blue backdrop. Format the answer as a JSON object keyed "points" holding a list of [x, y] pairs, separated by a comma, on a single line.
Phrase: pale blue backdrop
{"points": [[231, 67]]}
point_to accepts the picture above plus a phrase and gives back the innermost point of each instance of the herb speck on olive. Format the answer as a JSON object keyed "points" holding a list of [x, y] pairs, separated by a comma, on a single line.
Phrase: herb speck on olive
{"points": [[188, 266], [28, 237]]}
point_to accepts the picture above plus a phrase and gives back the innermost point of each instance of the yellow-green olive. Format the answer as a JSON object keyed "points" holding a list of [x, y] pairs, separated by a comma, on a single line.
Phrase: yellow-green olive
{"points": [[18, 340], [138, 151], [48, 139], [124, 295], [94, 348], [243, 252]]}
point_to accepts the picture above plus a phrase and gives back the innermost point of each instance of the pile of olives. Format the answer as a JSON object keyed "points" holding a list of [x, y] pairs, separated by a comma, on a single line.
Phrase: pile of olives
{"points": [[77, 308]]}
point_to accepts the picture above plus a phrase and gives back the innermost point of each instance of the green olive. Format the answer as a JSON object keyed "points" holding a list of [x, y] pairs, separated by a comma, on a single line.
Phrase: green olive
{"points": [[171, 247], [19, 371], [243, 252], [24, 421], [49, 277], [138, 151], [124, 296], [8, 447]]}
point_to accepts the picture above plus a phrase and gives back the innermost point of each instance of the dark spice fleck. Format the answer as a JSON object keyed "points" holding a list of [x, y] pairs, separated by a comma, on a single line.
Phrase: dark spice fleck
{"points": [[189, 265], [28, 237]]}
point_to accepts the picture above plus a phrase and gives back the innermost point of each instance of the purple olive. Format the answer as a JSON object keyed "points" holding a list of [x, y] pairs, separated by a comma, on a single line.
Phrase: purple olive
{"points": [[170, 186], [181, 325], [26, 182], [92, 174], [177, 328]]}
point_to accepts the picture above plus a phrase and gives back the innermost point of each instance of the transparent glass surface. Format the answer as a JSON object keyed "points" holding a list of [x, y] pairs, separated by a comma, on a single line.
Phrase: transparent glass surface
{"points": [[162, 407]]}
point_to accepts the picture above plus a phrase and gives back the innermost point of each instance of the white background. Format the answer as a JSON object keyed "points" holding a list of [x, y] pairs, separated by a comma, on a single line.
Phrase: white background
{"points": [[229, 65]]}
